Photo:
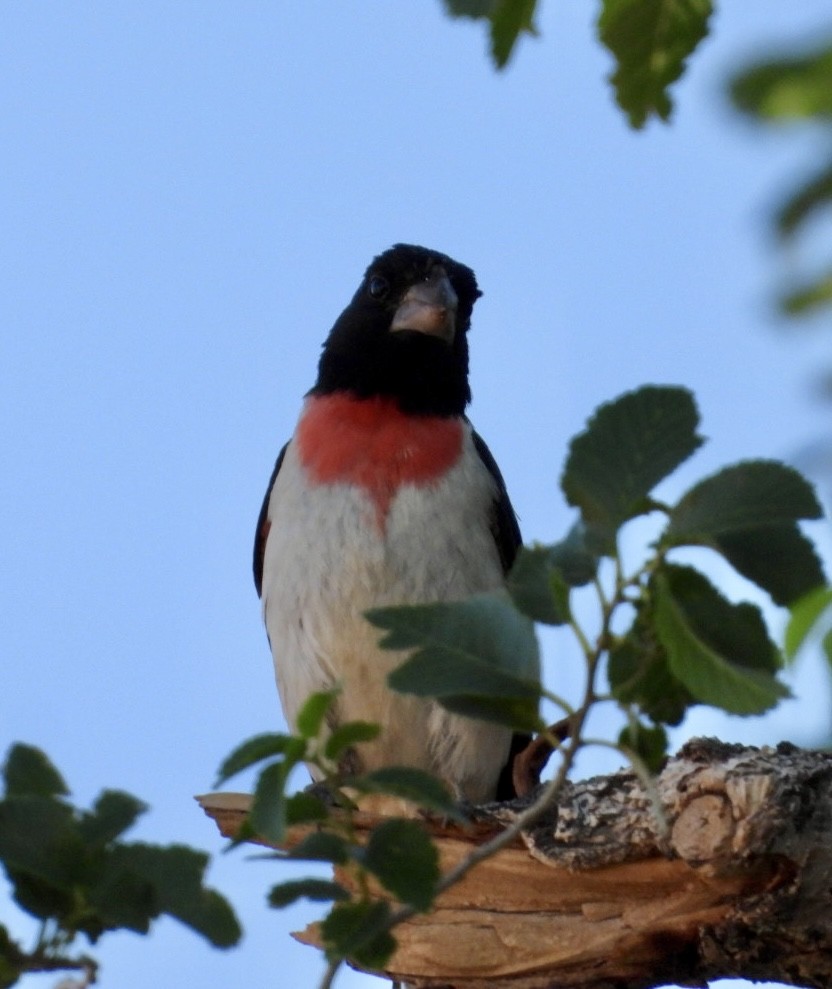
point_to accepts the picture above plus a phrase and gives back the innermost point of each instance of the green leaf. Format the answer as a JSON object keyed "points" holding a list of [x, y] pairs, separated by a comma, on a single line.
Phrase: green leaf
{"points": [[28, 771], [478, 648], [809, 297], [720, 651], [175, 874], [11, 959], [120, 898], [113, 813], [510, 18], [639, 674], [541, 577], [303, 807], [358, 931], [312, 715], [648, 743], [319, 890], [474, 9], [268, 808], [804, 617], [650, 40], [518, 713], [826, 645], [778, 558], [410, 784], [254, 750], [38, 836], [405, 861], [787, 88], [629, 445], [347, 735], [743, 496], [574, 558], [537, 587], [813, 194], [321, 846]]}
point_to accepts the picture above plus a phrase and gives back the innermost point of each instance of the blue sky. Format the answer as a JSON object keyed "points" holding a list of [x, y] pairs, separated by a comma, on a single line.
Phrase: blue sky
{"points": [[189, 194]]}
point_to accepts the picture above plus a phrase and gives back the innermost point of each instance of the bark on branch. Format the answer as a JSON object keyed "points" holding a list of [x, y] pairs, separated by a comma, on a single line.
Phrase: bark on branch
{"points": [[736, 880]]}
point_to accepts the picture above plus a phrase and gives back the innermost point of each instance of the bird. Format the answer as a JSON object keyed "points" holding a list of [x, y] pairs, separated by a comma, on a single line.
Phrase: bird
{"points": [[386, 495]]}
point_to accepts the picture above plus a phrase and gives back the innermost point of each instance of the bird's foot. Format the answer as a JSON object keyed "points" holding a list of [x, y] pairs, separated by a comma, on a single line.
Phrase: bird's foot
{"points": [[530, 763]]}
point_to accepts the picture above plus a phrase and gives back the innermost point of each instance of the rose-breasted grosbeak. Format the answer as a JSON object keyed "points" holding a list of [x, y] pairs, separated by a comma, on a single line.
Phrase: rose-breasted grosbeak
{"points": [[385, 495]]}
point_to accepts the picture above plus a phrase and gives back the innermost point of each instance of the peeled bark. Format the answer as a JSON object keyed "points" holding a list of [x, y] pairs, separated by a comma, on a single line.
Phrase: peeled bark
{"points": [[734, 878]]}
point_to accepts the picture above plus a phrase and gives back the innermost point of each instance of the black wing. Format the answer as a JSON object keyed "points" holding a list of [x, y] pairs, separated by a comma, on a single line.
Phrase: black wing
{"points": [[504, 526], [507, 536], [263, 526]]}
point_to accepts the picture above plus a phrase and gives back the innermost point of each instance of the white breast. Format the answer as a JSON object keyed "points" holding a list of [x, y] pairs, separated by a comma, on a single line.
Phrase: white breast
{"points": [[327, 560]]}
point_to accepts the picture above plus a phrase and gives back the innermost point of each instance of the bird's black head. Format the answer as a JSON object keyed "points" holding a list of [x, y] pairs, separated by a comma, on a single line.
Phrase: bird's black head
{"points": [[404, 335]]}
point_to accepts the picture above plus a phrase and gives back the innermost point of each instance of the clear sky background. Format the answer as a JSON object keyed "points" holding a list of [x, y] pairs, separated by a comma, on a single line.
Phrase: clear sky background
{"points": [[189, 194]]}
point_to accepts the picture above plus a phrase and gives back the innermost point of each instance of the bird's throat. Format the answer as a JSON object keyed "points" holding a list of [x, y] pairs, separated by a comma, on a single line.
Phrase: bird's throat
{"points": [[371, 443]]}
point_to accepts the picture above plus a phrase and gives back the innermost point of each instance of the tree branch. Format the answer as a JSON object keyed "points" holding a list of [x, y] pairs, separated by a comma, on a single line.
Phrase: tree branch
{"points": [[598, 895]]}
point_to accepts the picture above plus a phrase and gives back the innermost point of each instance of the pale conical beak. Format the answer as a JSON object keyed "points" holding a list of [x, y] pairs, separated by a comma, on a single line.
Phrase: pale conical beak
{"points": [[428, 307]]}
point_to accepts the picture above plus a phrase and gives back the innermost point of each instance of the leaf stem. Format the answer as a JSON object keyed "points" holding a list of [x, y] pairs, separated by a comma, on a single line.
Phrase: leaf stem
{"points": [[330, 973], [558, 701]]}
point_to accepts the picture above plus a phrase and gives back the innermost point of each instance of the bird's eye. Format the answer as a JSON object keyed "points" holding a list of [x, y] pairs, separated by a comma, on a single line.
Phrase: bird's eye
{"points": [[378, 287]]}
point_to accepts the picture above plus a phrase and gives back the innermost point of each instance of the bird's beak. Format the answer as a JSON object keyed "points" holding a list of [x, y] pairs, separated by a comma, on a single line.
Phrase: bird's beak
{"points": [[429, 307]]}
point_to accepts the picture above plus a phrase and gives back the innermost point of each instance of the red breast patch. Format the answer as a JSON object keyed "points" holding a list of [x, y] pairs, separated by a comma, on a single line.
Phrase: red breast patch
{"points": [[373, 444]]}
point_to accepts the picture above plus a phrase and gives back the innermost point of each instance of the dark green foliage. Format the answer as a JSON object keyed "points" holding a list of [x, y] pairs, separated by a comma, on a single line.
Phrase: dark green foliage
{"points": [[345, 736], [778, 558], [304, 807], [271, 812], [405, 861], [748, 512], [804, 619], [790, 88], [252, 751], [69, 868], [408, 783], [743, 496], [541, 578], [268, 808], [648, 742], [651, 41], [537, 587], [322, 846], [470, 8], [686, 644], [720, 651], [12, 959], [805, 202], [29, 771], [311, 716], [508, 19], [639, 673], [796, 87], [809, 296], [628, 446], [112, 814], [477, 657], [322, 890], [359, 931]]}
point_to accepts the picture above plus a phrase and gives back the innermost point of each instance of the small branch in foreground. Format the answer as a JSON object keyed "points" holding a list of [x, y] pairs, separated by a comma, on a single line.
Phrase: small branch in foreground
{"points": [[741, 885]]}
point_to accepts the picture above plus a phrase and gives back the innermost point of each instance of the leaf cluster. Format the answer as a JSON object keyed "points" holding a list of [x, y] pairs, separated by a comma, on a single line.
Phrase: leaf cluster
{"points": [[796, 88], [650, 41], [668, 636], [70, 869], [397, 853]]}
